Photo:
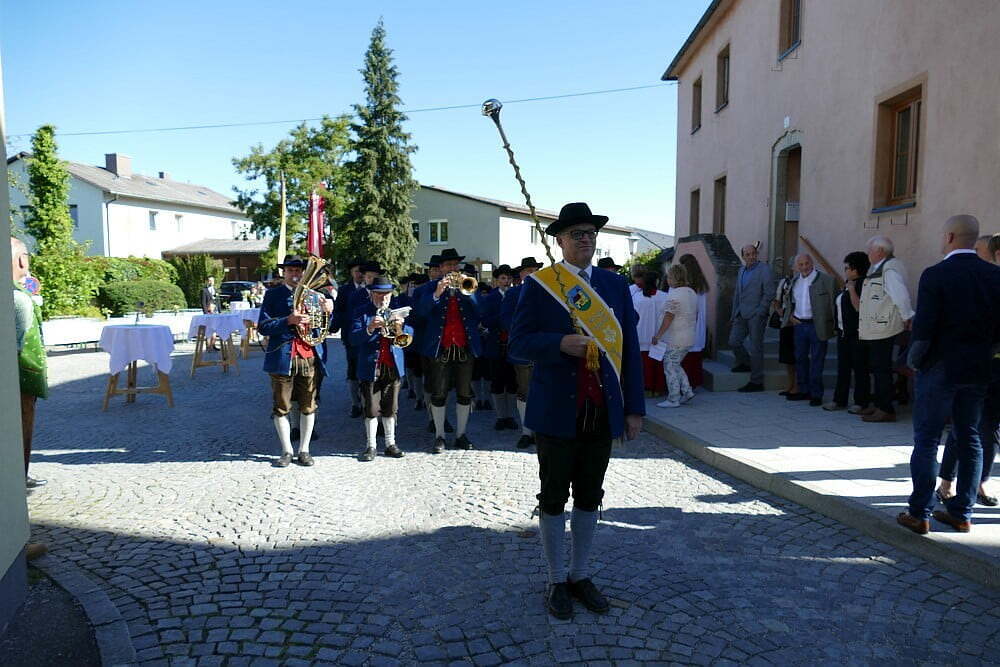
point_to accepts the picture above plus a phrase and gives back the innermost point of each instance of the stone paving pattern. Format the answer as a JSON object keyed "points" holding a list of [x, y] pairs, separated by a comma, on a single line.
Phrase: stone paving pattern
{"points": [[213, 557]]}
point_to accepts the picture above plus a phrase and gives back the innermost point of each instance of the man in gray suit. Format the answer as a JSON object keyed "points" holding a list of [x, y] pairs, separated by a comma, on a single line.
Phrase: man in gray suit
{"points": [[208, 296], [811, 309], [751, 301]]}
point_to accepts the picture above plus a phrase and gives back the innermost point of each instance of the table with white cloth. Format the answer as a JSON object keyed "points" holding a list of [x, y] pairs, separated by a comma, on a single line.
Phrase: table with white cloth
{"points": [[204, 328], [129, 343], [249, 334]]}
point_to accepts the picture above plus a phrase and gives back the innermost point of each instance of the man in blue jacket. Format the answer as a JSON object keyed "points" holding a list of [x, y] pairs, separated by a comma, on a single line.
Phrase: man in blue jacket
{"points": [[380, 369], [522, 368], [451, 341], [417, 322], [292, 363], [586, 391], [342, 322], [955, 334], [503, 383]]}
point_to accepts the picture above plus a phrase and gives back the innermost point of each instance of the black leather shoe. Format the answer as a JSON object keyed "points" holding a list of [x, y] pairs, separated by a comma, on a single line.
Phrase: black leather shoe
{"points": [[367, 455], [751, 387], [989, 501], [525, 441], [305, 459], [586, 592], [815, 402], [740, 368], [797, 397], [283, 461], [355, 411], [511, 424], [448, 428], [558, 601], [463, 442], [438, 446], [295, 434], [32, 483], [500, 425], [394, 452]]}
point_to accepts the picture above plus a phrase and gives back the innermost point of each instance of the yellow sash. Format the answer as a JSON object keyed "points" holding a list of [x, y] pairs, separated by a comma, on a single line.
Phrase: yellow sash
{"points": [[594, 315]]}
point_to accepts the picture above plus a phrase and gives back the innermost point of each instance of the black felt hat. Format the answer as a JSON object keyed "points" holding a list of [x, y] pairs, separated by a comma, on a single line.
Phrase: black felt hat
{"points": [[607, 263], [357, 261], [371, 266], [529, 263], [434, 261], [293, 261], [470, 270], [577, 213], [451, 255], [503, 269]]}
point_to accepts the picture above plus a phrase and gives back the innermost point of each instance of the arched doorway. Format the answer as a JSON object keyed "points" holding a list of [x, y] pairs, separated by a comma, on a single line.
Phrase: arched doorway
{"points": [[786, 176]]}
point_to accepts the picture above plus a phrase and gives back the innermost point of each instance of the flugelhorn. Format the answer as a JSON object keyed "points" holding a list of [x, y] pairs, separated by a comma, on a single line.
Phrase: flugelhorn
{"points": [[467, 285], [393, 327]]}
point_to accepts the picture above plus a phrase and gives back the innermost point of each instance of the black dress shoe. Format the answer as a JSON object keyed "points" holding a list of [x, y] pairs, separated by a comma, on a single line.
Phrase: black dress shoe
{"points": [[740, 368], [500, 425], [525, 441], [815, 402], [394, 452], [295, 433], [784, 393], [438, 446], [32, 483], [558, 601], [511, 424], [305, 459], [989, 501], [367, 455], [797, 397], [283, 461], [586, 592], [463, 442], [355, 411], [751, 387], [448, 428]]}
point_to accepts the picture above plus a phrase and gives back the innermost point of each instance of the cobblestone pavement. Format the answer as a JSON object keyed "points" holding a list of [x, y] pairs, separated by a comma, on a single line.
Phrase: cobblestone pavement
{"points": [[214, 557]]}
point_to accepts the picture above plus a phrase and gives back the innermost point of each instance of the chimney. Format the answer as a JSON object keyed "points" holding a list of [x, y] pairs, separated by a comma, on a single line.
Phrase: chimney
{"points": [[118, 164], [164, 176]]}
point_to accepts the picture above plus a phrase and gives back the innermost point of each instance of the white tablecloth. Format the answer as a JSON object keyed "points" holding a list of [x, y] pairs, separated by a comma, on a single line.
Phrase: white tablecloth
{"points": [[247, 314], [222, 324], [126, 343]]}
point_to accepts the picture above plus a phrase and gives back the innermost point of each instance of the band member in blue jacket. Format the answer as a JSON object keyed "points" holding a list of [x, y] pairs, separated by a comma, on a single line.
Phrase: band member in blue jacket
{"points": [[380, 368], [577, 412], [522, 368], [503, 385], [451, 340], [417, 322], [414, 360], [342, 322], [292, 363]]}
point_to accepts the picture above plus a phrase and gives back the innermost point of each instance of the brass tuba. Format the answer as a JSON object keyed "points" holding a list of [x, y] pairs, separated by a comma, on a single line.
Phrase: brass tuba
{"points": [[467, 285], [306, 301]]}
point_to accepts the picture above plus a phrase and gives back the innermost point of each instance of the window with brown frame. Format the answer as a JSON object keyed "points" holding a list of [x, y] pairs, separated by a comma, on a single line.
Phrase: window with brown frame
{"points": [[722, 79], [719, 212], [790, 26], [696, 105], [897, 148], [695, 212]]}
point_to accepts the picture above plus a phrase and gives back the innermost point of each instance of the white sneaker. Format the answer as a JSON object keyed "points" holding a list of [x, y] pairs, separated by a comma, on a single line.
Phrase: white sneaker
{"points": [[687, 397], [668, 404]]}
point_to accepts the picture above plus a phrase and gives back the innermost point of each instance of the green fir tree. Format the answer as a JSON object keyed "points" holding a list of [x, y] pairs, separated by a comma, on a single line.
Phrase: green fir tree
{"points": [[377, 225]]}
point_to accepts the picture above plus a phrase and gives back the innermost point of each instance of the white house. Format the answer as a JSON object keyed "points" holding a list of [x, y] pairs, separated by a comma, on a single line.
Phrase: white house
{"points": [[122, 213], [490, 231]]}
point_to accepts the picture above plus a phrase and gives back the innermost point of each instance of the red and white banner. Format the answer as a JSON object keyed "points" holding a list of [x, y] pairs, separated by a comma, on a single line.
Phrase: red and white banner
{"points": [[314, 238]]}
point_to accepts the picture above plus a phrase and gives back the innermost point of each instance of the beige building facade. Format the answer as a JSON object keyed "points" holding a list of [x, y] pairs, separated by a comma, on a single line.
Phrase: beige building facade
{"points": [[836, 121]]}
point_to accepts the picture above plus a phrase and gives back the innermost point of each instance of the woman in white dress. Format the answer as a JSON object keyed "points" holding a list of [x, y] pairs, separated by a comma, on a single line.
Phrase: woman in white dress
{"points": [[650, 305], [678, 332], [692, 363]]}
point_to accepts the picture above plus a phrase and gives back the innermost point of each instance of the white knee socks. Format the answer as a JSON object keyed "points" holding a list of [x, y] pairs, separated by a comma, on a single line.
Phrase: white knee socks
{"points": [[582, 527], [389, 430], [499, 405], [462, 413], [371, 430], [438, 415], [284, 430], [305, 431], [552, 530], [521, 408]]}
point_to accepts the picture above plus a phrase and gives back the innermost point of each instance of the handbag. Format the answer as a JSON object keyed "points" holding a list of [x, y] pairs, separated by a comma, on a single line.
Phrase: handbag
{"points": [[775, 320]]}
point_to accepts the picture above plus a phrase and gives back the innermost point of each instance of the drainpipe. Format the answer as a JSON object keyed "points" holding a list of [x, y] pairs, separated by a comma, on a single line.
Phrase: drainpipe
{"points": [[107, 225]]}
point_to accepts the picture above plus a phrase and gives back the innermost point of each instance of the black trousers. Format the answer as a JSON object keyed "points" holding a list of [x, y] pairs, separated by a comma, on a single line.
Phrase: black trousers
{"points": [[578, 464], [352, 362], [444, 374], [504, 381], [851, 363], [878, 355]]}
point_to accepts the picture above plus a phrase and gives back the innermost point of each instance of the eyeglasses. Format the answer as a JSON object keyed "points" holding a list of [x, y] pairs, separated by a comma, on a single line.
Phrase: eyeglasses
{"points": [[580, 234]]}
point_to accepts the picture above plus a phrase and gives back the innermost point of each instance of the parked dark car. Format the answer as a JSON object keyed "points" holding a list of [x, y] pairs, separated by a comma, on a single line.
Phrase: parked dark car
{"points": [[232, 290]]}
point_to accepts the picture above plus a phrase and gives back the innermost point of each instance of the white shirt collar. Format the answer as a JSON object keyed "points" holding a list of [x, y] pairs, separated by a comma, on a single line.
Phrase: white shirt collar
{"points": [[960, 251], [576, 269], [810, 278]]}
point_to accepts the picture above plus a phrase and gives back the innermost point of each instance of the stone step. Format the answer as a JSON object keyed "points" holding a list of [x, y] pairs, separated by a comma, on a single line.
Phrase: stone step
{"points": [[728, 359], [718, 377]]}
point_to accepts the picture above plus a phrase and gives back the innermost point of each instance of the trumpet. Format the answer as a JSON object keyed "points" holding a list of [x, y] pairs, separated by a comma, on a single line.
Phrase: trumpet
{"points": [[393, 327], [467, 285]]}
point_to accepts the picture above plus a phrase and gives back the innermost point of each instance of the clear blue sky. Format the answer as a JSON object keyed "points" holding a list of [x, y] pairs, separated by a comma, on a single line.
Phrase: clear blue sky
{"points": [[117, 65]]}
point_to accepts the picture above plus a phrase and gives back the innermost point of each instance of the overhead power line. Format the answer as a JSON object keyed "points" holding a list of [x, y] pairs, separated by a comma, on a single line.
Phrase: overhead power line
{"points": [[306, 120]]}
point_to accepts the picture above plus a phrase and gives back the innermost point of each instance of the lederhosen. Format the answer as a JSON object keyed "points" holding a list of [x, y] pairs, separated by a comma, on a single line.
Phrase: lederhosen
{"points": [[455, 363], [380, 397]]}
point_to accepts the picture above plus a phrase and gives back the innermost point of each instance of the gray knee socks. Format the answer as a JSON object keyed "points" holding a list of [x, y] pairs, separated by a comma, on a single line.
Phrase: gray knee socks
{"points": [[552, 530], [582, 526]]}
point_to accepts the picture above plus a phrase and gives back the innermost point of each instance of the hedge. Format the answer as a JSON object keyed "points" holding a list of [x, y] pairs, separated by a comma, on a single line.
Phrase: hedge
{"points": [[122, 269], [193, 271], [123, 297]]}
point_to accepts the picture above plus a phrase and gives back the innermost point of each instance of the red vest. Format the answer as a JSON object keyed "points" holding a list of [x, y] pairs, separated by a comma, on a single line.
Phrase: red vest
{"points": [[302, 350], [385, 358], [454, 329]]}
